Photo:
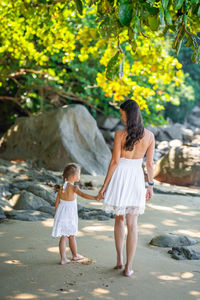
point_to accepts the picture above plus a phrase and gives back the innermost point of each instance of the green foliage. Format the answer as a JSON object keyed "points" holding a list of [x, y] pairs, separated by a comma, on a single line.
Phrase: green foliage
{"points": [[51, 56]]}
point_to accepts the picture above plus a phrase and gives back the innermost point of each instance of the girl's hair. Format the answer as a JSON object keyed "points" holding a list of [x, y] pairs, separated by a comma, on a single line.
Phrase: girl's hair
{"points": [[70, 169], [134, 124]]}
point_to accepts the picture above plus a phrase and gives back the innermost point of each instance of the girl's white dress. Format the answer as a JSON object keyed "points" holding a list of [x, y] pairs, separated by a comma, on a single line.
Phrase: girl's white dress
{"points": [[125, 193], [66, 217]]}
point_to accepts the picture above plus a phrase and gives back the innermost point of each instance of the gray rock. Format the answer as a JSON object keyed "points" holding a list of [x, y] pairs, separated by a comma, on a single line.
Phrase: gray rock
{"points": [[181, 253], [172, 240], [180, 166], [29, 201], [1, 211], [187, 134], [2, 217], [108, 135], [108, 123], [48, 210], [27, 215], [72, 136], [92, 214], [174, 131], [4, 170]]}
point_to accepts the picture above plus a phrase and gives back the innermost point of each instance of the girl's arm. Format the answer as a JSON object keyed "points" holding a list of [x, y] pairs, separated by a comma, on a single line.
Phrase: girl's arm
{"points": [[80, 193], [149, 166], [57, 200], [114, 160]]}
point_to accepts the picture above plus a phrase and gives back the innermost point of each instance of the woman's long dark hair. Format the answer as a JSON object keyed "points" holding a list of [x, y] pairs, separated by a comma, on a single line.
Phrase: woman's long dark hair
{"points": [[135, 127]]}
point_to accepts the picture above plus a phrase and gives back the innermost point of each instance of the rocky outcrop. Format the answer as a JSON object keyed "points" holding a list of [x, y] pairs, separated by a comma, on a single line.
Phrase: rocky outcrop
{"points": [[172, 240], [180, 166], [181, 253], [55, 138]]}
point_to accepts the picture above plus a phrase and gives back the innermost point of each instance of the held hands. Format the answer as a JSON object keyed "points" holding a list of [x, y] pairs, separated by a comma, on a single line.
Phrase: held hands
{"points": [[101, 194], [149, 193]]}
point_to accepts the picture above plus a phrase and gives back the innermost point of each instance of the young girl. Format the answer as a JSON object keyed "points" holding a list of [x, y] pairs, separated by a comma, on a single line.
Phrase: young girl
{"points": [[66, 216]]}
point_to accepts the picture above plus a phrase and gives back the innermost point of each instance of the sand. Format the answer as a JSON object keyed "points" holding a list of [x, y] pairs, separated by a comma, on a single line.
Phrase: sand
{"points": [[29, 260]]}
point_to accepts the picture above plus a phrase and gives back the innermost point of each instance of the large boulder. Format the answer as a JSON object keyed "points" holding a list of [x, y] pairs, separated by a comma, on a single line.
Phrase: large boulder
{"points": [[194, 117], [172, 240], [27, 215], [180, 166], [28, 200], [55, 138]]}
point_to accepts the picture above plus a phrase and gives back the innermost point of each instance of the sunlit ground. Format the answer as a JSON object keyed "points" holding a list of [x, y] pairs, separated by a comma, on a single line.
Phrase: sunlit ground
{"points": [[29, 258]]}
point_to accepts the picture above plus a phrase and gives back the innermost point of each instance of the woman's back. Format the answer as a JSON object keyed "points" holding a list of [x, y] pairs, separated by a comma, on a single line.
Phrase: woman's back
{"points": [[140, 147]]}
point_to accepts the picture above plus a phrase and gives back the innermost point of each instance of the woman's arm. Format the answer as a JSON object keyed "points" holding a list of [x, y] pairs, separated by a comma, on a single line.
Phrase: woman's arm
{"points": [[114, 160], [57, 200], [149, 166], [80, 193]]}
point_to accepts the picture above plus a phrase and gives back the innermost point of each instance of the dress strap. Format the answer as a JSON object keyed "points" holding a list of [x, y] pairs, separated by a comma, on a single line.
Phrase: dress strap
{"points": [[65, 185]]}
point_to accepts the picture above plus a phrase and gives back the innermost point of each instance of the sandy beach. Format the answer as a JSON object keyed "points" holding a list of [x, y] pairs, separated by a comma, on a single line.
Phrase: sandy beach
{"points": [[29, 259]]}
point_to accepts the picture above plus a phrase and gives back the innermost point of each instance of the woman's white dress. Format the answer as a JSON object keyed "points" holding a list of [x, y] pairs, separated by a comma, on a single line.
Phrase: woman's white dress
{"points": [[66, 218], [125, 193]]}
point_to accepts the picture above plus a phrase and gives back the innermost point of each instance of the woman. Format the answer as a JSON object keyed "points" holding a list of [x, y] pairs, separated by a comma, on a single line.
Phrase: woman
{"points": [[124, 187]]}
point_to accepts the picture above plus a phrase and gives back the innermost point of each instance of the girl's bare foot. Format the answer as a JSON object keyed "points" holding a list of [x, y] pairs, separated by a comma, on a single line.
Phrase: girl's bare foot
{"points": [[128, 273], [118, 267], [65, 261], [77, 257]]}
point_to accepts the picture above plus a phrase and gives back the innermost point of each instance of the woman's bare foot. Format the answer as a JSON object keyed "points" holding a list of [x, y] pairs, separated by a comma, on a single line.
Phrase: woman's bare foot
{"points": [[128, 273], [65, 261], [77, 257], [118, 267]]}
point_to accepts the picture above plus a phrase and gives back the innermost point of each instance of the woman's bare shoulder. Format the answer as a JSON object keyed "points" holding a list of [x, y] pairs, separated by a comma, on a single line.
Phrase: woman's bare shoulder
{"points": [[120, 133], [149, 133]]}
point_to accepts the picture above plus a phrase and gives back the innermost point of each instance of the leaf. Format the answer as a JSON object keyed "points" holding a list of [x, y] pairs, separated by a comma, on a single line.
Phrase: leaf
{"points": [[162, 16], [165, 3], [179, 4], [168, 17], [109, 27], [196, 56], [153, 22], [113, 66], [79, 6], [125, 14]]}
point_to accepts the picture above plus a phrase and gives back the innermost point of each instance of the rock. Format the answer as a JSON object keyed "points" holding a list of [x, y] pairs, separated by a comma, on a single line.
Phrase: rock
{"points": [[47, 209], [196, 141], [39, 190], [181, 253], [108, 123], [172, 240], [4, 170], [174, 131], [1, 211], [29, 201], [163, 146], [180, 166], [194, 117], [175, 143], [157, 155], [27, 215], [92, 214], [187, 134], [162, 136], [108, 135], [57, 137], [2, 217]]}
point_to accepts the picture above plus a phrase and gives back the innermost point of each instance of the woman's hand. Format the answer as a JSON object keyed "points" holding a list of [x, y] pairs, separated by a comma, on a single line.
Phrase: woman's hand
{"points": [[149, 193], [101, 192]]}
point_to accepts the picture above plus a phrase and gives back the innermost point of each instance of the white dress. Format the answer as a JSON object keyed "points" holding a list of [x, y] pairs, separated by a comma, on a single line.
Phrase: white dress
{"points": [[125, 193], [66, 218]]}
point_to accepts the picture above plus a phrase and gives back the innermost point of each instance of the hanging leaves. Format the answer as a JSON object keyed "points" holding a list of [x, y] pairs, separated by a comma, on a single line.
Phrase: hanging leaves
{"points": [[125, 14], [79, 6], [113, 66]]}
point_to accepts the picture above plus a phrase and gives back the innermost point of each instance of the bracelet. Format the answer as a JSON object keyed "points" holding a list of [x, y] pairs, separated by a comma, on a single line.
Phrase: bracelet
{"points": [[150, 183]]}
